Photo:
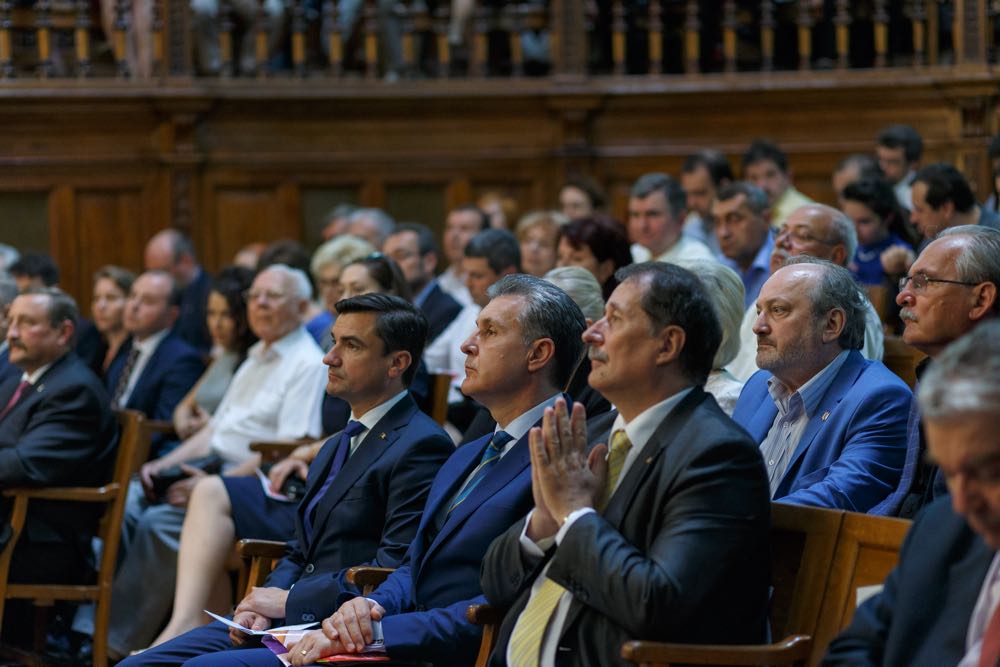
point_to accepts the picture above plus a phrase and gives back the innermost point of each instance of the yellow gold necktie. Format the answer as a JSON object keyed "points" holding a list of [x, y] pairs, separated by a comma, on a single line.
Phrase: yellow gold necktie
{"points": [[526, 639]]}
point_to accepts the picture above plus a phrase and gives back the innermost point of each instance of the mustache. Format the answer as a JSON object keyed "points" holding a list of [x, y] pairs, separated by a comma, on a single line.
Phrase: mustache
{"points": [[595, 354], [907, 314]]}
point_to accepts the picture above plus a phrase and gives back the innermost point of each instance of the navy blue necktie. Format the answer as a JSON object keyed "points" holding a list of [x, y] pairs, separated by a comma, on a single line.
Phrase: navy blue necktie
{"points": [[339, 458], [491, 456]]}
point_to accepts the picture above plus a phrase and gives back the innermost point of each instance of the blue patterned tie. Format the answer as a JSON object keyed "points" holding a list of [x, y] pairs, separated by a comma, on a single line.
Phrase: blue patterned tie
{"points": [[491, 456], [339, 458]]}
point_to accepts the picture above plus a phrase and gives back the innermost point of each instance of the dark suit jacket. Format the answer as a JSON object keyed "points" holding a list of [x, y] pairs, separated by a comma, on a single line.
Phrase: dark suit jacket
{"points": [[921, 617], [368, 515], [172, 370], [851, 453], [427, 596], [60, 433], [7, 369], [680, 554], [440, 308], [191, 325]]}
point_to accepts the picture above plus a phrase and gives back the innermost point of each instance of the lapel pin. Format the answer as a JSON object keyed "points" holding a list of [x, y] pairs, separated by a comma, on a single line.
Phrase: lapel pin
{"points": [[825, 415], [381, 435], [649, 460], [40, 388]]}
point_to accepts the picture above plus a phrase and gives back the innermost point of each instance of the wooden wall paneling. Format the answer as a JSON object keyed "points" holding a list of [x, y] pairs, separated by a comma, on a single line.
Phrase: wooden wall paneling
{"points": [[239, 213], [417, 202]]}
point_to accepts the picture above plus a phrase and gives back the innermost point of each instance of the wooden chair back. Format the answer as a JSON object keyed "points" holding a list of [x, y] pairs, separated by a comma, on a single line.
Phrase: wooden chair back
{"points": [[901, 359], [879, 296], [440, 385], [133, 447]]}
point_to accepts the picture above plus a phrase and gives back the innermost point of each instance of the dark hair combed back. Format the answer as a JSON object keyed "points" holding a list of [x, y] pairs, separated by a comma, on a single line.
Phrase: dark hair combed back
{"points": [[606, 238], [674, 295], [902, 136], [837, 289], [232, 283], [945, 183], [647, 184], [877, 194], [122, 278], [398, 323], [386, 273], [61, 308], [498, 247], [426, 243], [484, 220], [761, 150], [548, 313], [756, 198], [36, 265], [588, 187], [715, 163]]}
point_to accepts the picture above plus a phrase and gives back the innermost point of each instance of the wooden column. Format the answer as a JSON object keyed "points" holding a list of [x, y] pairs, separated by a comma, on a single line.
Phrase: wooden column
{"points": [[969, 32], [569, 39]]}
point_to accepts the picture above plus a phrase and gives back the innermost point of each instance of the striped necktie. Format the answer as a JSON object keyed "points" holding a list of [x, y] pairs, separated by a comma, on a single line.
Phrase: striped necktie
{"points": [[491, 456], [122, 385], [340, 456], [526, 639], [15, 397]]}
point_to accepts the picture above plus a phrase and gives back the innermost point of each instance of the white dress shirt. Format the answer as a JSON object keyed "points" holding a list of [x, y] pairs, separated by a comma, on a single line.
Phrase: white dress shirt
{"points": [[444, 355], [989, 599]]}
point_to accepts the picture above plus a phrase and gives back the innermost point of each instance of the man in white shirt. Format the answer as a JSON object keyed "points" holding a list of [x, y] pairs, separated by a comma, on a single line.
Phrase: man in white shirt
{"points": [[940, 604], [275, 394], [656, 209]]}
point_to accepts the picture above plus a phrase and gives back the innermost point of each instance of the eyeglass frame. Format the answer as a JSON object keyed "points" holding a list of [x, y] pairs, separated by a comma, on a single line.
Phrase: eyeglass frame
{"points": [[250, 296], [920, 284], [801, 237]]}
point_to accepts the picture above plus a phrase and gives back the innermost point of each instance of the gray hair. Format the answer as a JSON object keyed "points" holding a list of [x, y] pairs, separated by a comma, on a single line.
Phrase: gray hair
{"points": [[341, 250], [965, 377], [837, 290], [301, 289], [8, 290], [582, 287], [756, 198], [551, 219], [383, 222], [61, 307], [647, 184], [842, 230], [8, 255], [725, 291], [979, 261], [548, 313]]}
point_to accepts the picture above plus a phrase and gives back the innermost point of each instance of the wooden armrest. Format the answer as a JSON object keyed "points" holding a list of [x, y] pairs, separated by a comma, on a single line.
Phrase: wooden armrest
{"points": [[262, 549], [484, 614], [785, 652], [83, 494], [274, 450], [160, 426], [363, 576]]}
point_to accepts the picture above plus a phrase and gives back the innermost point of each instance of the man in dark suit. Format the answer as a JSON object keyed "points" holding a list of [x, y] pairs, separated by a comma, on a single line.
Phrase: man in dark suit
{"points": [[8, 292], [662, 537], [380, 466], [55, 430], [526, 342], [154, 368], [415, 249], [172, 251], [831, 425], [940, 605]]}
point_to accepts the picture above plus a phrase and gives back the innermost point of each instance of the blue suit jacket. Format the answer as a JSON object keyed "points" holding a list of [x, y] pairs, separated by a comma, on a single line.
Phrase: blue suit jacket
{"points": [[369, 513], [851, 453], [921, 617], [7, 369], [191, 325], [426, 598]]}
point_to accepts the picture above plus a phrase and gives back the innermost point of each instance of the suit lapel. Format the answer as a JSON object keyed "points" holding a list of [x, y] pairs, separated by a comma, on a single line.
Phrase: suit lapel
{"points": [[147, 372]]}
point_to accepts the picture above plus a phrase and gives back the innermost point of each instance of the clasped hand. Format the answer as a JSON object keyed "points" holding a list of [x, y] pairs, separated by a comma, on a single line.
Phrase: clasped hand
{"points": [[349, 630]]}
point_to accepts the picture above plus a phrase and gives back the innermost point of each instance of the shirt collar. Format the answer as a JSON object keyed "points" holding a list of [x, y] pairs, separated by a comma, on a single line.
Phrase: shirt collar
{"points": [[147, 346], [641, 429], [261, 351], [812, 392], [33, 378], [523, 422], [372, 417]]}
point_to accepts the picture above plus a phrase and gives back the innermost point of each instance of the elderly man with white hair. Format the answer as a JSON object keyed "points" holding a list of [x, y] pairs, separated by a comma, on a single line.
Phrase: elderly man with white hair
{"points": [[276, 394]]}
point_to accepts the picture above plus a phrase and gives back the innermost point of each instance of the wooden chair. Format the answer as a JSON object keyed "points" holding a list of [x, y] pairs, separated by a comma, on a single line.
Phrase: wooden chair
{"points": [[901, 359], [133, 447], [440, 385], [879, 297], [867, 550], [260, 556]]}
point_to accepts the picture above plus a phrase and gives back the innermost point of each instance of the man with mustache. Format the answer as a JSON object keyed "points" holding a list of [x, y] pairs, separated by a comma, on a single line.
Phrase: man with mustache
{"points": [[817, 231], [831, 425], [950, 289]]}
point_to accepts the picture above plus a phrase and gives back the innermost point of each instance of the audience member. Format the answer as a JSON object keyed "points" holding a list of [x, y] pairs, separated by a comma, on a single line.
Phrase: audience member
{"points": [[206, 20], [851, 169], [460, 226], [501, 209], [597, 244], [702, 174], [249, 255], [898, 149], [172, 252], [112, 286], [992, 203], [8, 292], [766, 166], [830, 424], [743, 230], [382, 464], [231, 339], [56, 429], [816, 231], [725, 290], [601, 558], [580, 197], [537, 234], [872, 206], [8, 255], [371, 224], [337, 220], [523, 350], [327, 264], [275, 394], [415, 250], [656, 212], [374, 273], [951, 288], [939, 605], [581, 286]]}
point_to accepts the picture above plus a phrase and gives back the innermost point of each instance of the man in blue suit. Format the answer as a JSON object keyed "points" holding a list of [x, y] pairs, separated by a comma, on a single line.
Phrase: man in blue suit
{"points": [[939, 605], [172, 251], [831, 425], [154, 368], [526, 342], [381, 465]]}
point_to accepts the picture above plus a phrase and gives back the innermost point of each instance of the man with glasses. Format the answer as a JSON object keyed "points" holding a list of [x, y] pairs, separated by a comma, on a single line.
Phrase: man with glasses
{"points": [[817, 231], [950, 289], [275, 394]]}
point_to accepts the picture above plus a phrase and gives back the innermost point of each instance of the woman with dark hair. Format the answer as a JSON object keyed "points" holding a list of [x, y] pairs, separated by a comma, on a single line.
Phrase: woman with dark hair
{"points": [[226, 314], [374, 273], [598, 244], [880, 222], [107, 306], [580, 197]]}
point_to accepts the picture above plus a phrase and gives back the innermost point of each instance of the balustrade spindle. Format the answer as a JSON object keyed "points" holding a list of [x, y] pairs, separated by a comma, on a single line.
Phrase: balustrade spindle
{"points": [[371, 40], [334, 44], [408, 21], [480, 42], [881, 20], [43, 33], [119, 36], [805, 23], [842, 21], [692, 38], [618, 36], [513, 27], [159, 49], [767, 24], [299, 38], [918, 24], [441, 21], [81, 38], [225, 38], [729, 26], [6, 52], [260, 41], [655, 37]]}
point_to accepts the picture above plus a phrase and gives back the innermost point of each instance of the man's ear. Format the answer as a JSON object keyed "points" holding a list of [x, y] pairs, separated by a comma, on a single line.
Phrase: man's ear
{"points": [[672, 341], [834, 325], [985, 300], [401, 360], [839, 255], [540, 352], [66, 330]]}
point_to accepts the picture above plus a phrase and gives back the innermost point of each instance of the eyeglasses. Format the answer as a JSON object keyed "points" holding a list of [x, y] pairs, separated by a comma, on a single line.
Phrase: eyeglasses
{"points": [[920, 282], [800, 236], [253, 295]]}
